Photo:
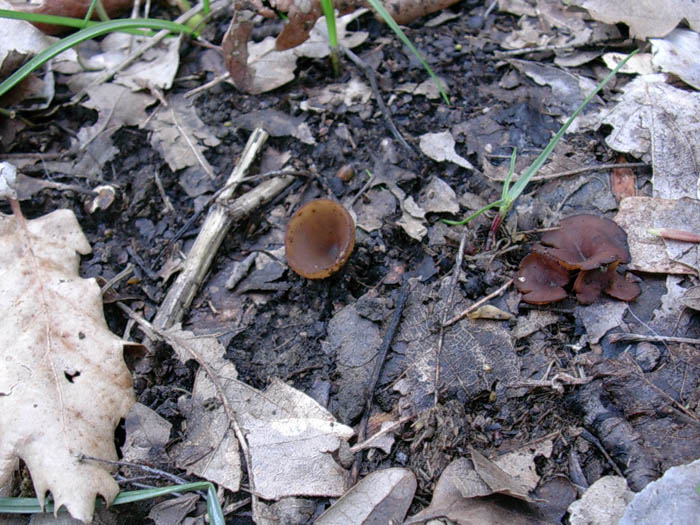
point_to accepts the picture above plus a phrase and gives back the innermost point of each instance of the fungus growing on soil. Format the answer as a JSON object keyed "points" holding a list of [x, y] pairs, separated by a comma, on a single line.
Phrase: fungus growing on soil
{"points": [[589, 284], [540, 279], [586, 242], [591, 244], [320, 238]]}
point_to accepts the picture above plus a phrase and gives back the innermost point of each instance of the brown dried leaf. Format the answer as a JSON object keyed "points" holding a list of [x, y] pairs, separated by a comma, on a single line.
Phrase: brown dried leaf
{"points": [[475, 357], [73, 9], [644, 17], [623, 181], [64, 385]]}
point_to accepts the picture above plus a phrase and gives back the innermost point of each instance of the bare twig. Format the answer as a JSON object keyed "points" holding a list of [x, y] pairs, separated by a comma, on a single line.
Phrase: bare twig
{"points": [[214, 229], [477, 304], [166, 200], [368, 443], [615, 338], [577, 171], [585, 434], [447, 308], [381, 356], [157, 472], [556, 383], [114, 280], [679, 406], [208, 85], [369, 72], [190, 143], [528, 50], [362, 191]]}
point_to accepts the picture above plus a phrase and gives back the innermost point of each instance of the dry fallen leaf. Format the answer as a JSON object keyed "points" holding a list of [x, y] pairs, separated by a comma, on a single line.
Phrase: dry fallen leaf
{"points": [[474, 358], [384, 496], [291, 438], [465, 494], [441, 147], [116, 106], [658, 122], [257, 67], [677, 54], [644, 17], [651, 253], [64, 385]]}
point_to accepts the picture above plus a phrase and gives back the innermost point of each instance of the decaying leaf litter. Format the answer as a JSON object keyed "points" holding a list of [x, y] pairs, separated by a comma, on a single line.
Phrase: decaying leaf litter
{"points": [[265, 383]]}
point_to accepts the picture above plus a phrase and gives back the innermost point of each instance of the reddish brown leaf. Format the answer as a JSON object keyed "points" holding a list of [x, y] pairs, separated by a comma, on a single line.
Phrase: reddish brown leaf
{"points": [[623, 181], [74, 9]]}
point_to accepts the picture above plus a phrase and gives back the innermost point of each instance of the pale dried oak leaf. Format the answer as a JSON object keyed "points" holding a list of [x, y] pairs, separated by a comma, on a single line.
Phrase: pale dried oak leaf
{"points": [[63, 381]]}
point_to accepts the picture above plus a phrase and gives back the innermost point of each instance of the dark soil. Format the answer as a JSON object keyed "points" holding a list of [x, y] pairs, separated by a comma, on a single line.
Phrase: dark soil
{"points": [[275, 329]]}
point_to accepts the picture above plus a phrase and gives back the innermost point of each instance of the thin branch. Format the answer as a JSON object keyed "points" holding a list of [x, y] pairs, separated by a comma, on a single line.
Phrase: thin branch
{"points": [[447, 308], [369, 72], [556, 383], [615, 338], [577, 171], [477, 304], [190, 143], [379, 363], [214, 229]]}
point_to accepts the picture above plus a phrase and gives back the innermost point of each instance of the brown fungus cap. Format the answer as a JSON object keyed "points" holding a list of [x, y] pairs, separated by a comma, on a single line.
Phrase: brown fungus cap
{"points": [[541, 279], [589, 284], [586, 242], [320, 238]]}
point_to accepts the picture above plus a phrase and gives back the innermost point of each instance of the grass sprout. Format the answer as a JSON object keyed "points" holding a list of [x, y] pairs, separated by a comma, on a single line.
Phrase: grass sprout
{"points": [[93, 31], [510, 193], [329, 15], [216, 515], [381, 10]]}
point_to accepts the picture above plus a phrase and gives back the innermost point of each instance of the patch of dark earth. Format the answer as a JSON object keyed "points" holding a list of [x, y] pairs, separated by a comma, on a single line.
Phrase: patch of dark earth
{"points": [[276, 328]]}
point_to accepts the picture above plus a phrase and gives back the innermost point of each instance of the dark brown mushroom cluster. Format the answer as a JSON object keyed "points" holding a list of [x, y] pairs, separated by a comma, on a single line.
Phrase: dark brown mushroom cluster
{"points": [[590, 245]]}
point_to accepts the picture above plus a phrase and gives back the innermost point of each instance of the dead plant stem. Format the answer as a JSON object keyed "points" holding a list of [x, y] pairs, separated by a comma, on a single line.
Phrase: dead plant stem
{"points": [[445, 311], [369, 72], [477, 304], [212, 233], [615, 338], [374, 379]]}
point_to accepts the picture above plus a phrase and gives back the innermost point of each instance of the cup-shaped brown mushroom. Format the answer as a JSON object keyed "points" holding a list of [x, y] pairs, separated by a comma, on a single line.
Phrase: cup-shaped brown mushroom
{"points": [[320, 238]]}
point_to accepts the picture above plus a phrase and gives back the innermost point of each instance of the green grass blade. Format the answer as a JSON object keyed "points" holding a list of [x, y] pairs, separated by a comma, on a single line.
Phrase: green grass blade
{"points": [[509, 177], [329, 14], [88, 15], [99, 29], [78, 23], [379, 8], [20, 505], [216, 515], [473, 215], [520, 184]]}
